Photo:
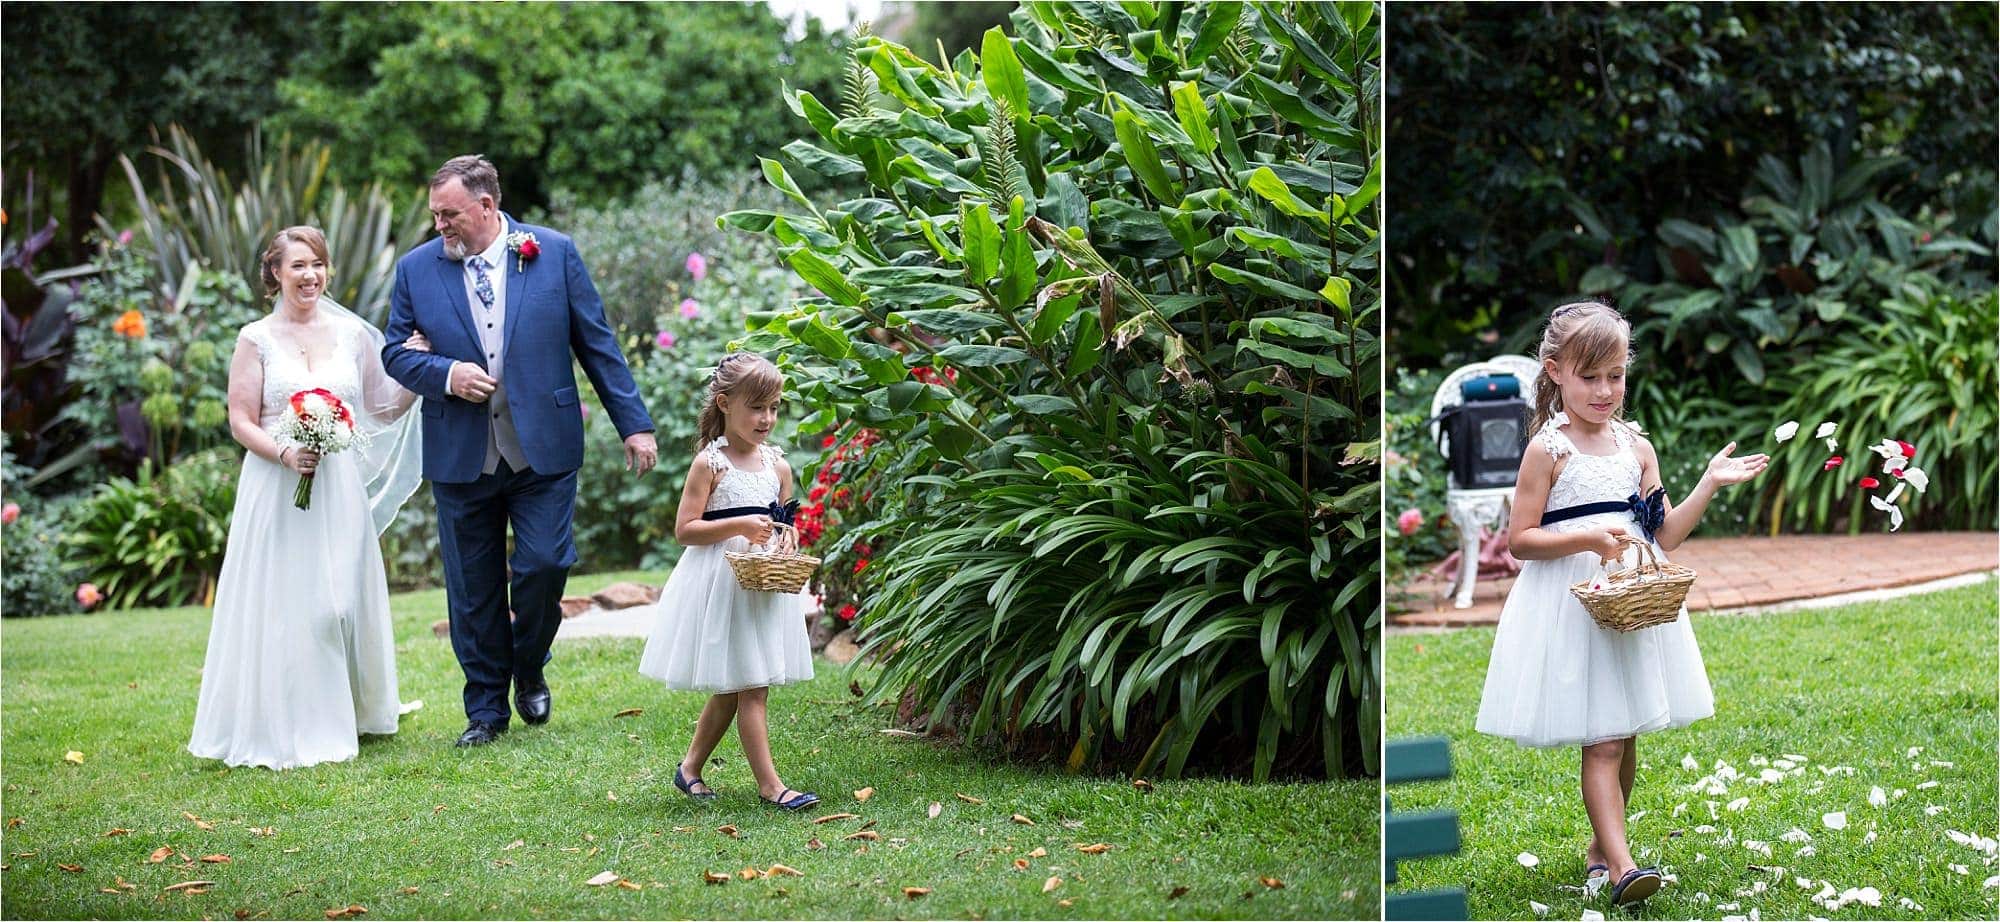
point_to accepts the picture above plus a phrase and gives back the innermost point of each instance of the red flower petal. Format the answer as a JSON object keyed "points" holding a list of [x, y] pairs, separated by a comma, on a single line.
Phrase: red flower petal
{"points": [[1870, 483], [1832, 463], [1898, 473], [1909, 450]]}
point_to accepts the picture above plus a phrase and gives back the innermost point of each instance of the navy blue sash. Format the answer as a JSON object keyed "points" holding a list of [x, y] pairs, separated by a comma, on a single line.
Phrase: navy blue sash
{"points": [[780, 514], [1650, 513]]}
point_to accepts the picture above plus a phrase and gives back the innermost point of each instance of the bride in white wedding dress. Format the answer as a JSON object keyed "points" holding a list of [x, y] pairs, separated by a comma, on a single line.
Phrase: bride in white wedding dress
{"points": [[301, 657]]}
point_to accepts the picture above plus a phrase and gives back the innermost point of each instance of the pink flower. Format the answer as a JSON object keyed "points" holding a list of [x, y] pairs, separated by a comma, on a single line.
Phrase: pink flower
{"points": [[88, 596], [665, 340], [9, 513], [1410, 521], [584, 408], [689, 308], [697, 265], [124, 237]]}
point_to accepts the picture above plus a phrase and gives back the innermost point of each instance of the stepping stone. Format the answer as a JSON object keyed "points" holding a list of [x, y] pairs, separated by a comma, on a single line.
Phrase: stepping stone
{"points": [[842, 649], [573, 605], [626, 595]]}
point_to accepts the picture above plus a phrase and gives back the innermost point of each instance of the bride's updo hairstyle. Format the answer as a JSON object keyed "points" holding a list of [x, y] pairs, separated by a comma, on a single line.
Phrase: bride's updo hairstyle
{"points": [[744, 377], [282, 241], [1580, 335]]}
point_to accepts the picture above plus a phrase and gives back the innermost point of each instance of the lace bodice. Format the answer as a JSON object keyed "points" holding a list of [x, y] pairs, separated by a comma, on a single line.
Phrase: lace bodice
{"points": [[1587, 478], [353, 372], [736, 487]]}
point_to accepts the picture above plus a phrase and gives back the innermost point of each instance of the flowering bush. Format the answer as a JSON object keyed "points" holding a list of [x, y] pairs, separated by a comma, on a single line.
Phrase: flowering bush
{"points": [[37, 580]]}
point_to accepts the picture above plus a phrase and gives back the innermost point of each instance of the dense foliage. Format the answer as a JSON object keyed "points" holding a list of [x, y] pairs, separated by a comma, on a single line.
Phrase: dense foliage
{"points": [[592, 98], [1567, 134], [85, 82], [1107, 300]]}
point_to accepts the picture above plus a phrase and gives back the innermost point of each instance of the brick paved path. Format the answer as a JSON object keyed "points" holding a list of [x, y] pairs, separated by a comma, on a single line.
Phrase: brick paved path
{"points": [[1743, 572]]}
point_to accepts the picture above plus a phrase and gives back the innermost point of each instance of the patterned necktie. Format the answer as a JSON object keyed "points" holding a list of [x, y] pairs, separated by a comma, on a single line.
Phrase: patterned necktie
{"points": [[481, 284]]}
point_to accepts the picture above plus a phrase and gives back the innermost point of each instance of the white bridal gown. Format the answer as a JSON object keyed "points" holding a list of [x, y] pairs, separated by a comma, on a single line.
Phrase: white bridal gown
{"points": [[301, 658]]}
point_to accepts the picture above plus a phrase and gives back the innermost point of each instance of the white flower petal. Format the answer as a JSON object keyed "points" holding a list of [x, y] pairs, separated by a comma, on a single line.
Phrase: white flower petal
{"points": [[1805, 851], [1870, 837], [1832, 446], [1795, 834], [1935, 809], [1916, 478], [1739, 803], [1887, 448], [1897, 463], [1688, 763], [1960, 870], [1770, 776], [1835, 820], [1541, 909], [1785, 432], [1824, 430], [1592, 915], [1527, 859], [1927, 785], [1704, 829], [1680, 808], [1991, 882], [1783, 764], [1877, 797]]}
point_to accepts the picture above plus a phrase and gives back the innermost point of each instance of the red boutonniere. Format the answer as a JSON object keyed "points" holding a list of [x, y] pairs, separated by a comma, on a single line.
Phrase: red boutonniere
{"points": [[525, 248]]}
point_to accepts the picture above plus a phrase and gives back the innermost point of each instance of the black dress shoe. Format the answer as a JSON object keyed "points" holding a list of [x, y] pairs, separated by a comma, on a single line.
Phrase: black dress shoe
{"points": [[481, 732], [532, 701]]}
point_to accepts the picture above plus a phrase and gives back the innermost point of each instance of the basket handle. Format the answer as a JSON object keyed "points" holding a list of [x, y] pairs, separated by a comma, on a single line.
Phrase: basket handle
{"points": [[784, 540], [1630, 541]]}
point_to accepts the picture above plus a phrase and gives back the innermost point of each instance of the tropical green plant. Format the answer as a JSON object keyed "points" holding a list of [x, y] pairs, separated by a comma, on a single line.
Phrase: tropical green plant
{"points": [[1812, 251], [158, 540], [1142, 236], [1923, 375], [1413, 477], [194, 215]]}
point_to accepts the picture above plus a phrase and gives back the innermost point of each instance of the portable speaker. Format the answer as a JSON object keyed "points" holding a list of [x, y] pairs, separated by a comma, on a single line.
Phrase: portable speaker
{"points": [[1484, 440]]}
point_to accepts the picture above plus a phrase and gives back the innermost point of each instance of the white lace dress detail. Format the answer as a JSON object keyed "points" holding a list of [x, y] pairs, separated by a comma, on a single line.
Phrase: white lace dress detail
{"points": [[301, 654], [1555, 677], [710, 634]]}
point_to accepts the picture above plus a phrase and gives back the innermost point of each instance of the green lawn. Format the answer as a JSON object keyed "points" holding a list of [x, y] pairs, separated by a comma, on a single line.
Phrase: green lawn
{"points": [[415, 828], [1895, 694]]}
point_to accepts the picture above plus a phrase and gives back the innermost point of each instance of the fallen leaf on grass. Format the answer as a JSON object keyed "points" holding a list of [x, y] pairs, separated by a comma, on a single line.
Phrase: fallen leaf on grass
{"points": [[936, 808], [854, 688], [119, 831], [686, 828], [749, 873], [1051, 883], [187, 885], [863, 794], [611, 796], [1039, 852], [517, 843], [408, 891], [1064, 903], [602, 879], [262, 832], [160, 854], [1143, 785], [1272, 883], [73, 757], [630, 712], [1177, 893], [968, 798], [780, 870], [343, 912], [1018, 818], [624, 884], [836, 816], [730, 831], [868, 834], [1097, 849], [72, 868], [1020, 864], [914, 892], [198, 821], [215, 859], [16, 821], [814, 844], [710, 877]]}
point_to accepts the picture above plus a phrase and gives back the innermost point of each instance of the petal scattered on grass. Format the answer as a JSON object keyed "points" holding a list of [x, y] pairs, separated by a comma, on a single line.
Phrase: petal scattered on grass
{"points": [[1877, 797], [1527, 859], [602, 879], [1738, 804], [1837, 820]]}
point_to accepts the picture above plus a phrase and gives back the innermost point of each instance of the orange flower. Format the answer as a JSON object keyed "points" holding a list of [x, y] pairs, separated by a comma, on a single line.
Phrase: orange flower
{"points": [[130, 323]]}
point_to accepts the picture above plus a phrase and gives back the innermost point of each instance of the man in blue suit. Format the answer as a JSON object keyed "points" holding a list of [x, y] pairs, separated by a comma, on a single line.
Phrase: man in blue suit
{"points": [[505, 306]]}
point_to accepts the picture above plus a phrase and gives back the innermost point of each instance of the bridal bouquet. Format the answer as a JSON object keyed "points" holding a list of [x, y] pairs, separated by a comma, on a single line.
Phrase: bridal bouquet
{"points": [[322, 424]]}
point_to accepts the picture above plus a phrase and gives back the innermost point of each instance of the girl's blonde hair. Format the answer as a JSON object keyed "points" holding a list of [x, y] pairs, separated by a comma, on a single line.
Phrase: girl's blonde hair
{"points": [[1580, 335], [739, 375]]}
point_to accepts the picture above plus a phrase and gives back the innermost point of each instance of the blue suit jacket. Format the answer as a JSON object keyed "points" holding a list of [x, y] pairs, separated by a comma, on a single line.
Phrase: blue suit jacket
{"points": [[553, 313]]}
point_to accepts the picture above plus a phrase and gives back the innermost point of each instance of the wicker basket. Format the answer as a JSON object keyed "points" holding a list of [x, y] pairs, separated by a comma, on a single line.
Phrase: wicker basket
{"points": [[776, 568], [1638, 597]]}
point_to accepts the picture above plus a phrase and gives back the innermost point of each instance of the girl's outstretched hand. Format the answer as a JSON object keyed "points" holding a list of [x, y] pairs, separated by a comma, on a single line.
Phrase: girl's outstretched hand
{"points": [[1725, 470]]}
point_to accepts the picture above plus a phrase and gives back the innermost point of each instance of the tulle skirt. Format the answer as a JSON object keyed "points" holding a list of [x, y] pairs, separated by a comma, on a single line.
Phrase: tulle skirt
{"points": [[1557, 679], [709, 634], [301, 654]]}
